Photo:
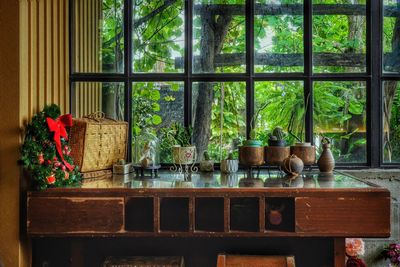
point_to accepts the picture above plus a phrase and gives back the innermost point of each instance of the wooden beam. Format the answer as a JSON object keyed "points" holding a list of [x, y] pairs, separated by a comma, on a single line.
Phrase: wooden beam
{"points": [[292, 9], [292, 60]]}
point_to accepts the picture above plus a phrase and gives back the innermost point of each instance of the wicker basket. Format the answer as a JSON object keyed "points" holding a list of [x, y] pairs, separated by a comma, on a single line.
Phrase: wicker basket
{"points": [[97, 142]]}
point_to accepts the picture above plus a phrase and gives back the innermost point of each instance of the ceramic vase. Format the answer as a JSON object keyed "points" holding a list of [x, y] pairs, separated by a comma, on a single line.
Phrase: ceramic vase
{"points": [[326, 162]]}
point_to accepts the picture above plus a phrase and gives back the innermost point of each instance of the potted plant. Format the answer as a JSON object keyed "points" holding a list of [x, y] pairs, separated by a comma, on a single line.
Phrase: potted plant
{"points": [[183, 152], [276, 151], [207, 164], [304, 150], [229, 165], [251, 153]]}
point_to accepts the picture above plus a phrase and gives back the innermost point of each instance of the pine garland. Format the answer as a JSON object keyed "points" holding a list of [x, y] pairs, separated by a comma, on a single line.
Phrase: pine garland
{"points": [[40, 157]]}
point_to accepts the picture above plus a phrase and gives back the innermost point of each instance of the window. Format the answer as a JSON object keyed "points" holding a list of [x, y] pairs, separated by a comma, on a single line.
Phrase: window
{"points": [[313, 67]]}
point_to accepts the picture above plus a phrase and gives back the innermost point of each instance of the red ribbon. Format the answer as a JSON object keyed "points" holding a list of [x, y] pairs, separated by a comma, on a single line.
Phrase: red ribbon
{"points": [[58, 127]]}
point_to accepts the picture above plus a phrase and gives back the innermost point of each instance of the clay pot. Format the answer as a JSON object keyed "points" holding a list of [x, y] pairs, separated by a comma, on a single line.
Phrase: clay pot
{"points": [[305, 151], [274, 155], [251, 155], [292, 165], [229, 165], [184, 154], [326, 162]]}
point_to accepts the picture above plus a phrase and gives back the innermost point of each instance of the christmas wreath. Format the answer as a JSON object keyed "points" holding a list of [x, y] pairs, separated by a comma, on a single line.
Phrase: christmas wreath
{"points": [[45, 152]]}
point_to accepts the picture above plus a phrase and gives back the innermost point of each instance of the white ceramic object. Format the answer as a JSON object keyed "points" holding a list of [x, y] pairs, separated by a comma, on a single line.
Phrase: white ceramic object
{"points": [[184, 154], [229, 165]]}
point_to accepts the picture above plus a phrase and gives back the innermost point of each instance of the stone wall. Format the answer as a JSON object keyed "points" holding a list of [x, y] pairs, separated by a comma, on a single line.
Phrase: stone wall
{"points": [[389, 179]]}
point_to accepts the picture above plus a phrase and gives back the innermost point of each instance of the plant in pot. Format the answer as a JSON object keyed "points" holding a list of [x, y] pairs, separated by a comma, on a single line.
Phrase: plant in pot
{"points": [[276, 151], [251, 153], [304, 150], [183, 152], [229, 165], [207, 164]]}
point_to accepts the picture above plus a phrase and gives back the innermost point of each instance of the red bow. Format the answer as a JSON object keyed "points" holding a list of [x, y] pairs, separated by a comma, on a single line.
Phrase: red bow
{"points": [[58, 127]]}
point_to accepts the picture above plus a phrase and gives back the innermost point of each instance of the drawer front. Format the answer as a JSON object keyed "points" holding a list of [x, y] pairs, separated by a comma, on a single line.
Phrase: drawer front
{"points": [[344, 216], [64, 215]]}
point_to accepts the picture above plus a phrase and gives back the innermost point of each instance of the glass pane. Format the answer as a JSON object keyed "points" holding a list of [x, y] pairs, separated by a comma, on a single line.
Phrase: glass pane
{"points": [[278, 34], [91, 97], [279, 103], [391, 121], [219, 30], [391, 36], [158, 36], [98, 42], [339, 42], [156, 105], [340, 115], [219, 117]]}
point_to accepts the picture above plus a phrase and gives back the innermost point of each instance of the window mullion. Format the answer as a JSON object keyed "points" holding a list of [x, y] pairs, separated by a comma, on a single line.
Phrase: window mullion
{"points": [[308, 65]]}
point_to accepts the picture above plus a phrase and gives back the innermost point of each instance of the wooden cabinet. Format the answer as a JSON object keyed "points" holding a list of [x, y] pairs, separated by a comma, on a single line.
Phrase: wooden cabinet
{"points": [[266, 213]]}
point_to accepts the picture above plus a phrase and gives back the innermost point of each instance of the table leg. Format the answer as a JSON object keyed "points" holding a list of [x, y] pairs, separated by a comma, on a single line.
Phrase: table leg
{"points": [[340, 250]]}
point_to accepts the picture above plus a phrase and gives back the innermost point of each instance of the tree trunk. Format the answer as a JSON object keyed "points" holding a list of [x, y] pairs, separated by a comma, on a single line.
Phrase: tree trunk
{"points": [[355, 33], [211, 42]]}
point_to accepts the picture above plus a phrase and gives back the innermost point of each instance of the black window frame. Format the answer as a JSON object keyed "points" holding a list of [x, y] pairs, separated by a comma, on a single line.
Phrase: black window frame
{"points": [[373, 77]]}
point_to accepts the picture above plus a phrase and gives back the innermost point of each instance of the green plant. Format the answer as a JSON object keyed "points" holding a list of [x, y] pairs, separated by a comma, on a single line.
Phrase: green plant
{"points": [[177, 134], [277, 134], [40, 157], [253, 122]]}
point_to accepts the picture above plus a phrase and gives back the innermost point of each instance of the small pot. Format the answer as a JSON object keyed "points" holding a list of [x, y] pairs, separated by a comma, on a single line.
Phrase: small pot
{"points": [[305, 151], [274, 155], [251, 155], [184, 154], [279, 143], [229, 165], [207, 166]]}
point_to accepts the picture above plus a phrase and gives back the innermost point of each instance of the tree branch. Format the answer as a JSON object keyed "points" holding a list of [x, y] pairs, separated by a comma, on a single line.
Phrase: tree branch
{"points": [[154, 13]]}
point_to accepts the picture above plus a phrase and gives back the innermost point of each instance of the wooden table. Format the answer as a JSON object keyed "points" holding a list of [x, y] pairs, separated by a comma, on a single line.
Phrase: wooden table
{"points": [[308, 216]]}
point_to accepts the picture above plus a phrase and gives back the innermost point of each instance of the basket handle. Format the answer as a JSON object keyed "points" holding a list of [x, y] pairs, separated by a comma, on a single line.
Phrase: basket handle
{"points": [[98, 116]]}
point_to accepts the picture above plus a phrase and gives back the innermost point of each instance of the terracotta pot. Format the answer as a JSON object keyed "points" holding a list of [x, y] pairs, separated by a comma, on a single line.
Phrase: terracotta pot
{"points": [[305, 151], [274, 155], [326, 162], [184, 155], [251, 156], [229, 165], [292, 165]]}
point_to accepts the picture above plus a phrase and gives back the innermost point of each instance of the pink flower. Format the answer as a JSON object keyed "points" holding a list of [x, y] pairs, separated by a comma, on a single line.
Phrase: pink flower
{"points": [[355, 247]]}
